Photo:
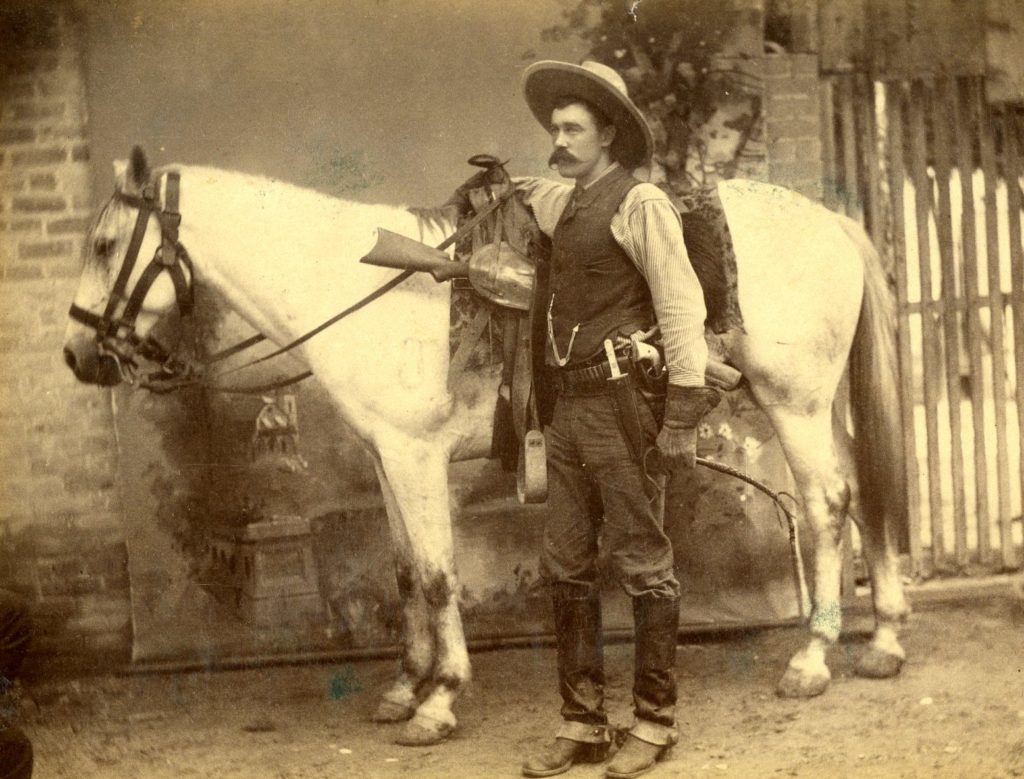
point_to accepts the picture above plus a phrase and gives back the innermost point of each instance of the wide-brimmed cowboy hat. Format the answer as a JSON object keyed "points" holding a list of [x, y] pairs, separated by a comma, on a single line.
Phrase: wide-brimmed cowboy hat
{"points": [[547, 81]]}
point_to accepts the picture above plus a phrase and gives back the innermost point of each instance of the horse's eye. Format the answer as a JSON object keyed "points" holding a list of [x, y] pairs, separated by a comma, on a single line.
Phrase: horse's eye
{"points": [[104, 246]]}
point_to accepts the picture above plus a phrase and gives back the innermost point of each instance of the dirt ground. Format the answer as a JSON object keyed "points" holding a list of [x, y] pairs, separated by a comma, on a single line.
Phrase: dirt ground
{"points": [[957, 710]]}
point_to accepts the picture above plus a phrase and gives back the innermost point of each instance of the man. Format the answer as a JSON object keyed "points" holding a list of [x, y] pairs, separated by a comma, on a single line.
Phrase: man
{"points": [[15, 636], [618, 265]]}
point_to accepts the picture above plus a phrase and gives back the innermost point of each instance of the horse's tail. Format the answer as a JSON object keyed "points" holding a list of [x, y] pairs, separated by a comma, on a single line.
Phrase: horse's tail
{"points": [[874, 393]]}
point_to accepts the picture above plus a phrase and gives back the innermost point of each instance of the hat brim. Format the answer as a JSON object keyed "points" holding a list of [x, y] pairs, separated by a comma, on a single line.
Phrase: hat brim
{"points": [[547, 81]]}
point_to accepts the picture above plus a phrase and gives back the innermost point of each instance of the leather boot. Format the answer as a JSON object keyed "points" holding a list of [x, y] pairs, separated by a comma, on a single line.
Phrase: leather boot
{"points": [[561, 755], [654, 688], [635, 757], [577, 612], [656, 626]]}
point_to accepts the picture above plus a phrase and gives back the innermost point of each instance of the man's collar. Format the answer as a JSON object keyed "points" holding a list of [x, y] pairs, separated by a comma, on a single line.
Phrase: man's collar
{"points": [[581, 189]]}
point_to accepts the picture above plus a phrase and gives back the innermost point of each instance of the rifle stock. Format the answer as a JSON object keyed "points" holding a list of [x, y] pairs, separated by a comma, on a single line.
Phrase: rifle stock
{"points": [[396, 251]]}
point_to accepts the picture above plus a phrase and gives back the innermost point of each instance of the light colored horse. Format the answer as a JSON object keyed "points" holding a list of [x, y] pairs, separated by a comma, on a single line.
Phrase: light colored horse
{"points": [[286, 259]]}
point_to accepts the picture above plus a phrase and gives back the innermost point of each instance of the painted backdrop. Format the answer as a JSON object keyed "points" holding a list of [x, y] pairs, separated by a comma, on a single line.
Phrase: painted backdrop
{"points": [[245, 544]]}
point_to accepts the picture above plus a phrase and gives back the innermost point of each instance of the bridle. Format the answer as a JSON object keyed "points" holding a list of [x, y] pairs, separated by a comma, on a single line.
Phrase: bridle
{"points": [[115, 334]]}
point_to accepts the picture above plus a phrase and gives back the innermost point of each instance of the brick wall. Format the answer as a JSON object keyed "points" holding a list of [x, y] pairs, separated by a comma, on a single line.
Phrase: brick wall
{"points": [[61, 535], [792, 122], [785, 146]]}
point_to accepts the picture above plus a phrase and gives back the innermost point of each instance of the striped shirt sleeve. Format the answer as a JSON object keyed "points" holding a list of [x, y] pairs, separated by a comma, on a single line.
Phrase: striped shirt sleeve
{"points": [[649, 229], [546, 198]]}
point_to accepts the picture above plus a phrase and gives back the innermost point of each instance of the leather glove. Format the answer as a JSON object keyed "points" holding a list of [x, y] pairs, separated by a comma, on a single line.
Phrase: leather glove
{"points": [[684, 408]]}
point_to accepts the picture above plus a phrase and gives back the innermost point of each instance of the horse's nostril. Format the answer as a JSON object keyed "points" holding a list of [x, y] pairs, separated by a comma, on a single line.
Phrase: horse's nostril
{"points": [[69, 358]]}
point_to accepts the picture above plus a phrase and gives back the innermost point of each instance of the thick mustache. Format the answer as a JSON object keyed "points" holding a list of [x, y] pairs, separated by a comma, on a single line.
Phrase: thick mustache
{"points": [[559, 156]]}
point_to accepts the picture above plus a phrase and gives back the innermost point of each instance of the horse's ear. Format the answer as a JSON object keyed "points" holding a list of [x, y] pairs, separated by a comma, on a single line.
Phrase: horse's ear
{"points": [[120, 174], [131, 176]]}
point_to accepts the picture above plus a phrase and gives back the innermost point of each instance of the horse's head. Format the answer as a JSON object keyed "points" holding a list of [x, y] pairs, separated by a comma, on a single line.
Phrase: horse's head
{"points": [[134, 271]]}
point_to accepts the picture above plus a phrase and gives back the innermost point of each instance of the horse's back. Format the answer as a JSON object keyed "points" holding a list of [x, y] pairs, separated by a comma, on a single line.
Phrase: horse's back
{"points": [[800, 281], [796, 264]]}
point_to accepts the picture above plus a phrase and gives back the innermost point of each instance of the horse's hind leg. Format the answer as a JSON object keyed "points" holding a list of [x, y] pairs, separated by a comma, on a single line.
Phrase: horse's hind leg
{"points": [[884, 656], [417, 472], [400, 701], [806, 438]]}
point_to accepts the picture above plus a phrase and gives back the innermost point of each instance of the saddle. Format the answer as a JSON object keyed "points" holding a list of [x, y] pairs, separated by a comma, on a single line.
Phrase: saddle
{"points": [[525, 399], [709, 246]]}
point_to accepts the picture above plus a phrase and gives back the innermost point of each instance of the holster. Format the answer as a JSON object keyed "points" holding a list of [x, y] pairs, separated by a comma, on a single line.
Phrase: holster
{"points": [[623, 392], [653, 381]]}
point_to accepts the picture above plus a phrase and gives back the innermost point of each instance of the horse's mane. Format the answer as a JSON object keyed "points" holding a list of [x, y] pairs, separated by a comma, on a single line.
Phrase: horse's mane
{"points": [[441, 218], [430, 219], [252, 182]]}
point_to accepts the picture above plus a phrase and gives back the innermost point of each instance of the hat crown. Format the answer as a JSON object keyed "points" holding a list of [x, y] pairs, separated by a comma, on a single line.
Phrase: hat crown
{"points": [[608, 74]]}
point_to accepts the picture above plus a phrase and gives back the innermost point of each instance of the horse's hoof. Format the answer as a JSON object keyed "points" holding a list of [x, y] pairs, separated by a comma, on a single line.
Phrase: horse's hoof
{"points": [[389, 711], [876, 664], [795, 684], [423, 732]]}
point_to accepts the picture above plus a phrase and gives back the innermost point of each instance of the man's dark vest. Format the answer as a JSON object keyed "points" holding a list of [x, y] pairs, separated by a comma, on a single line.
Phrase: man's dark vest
{"points": [[594, 284]]}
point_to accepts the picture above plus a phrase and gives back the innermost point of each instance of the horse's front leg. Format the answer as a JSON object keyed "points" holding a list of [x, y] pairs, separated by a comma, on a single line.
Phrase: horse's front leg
{"points": [[810, 451], [417, 472], [399, 702]]}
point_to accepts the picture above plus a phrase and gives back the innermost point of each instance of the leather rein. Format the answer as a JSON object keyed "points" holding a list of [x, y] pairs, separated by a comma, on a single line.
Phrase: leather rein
{"points": [[116, 336]]}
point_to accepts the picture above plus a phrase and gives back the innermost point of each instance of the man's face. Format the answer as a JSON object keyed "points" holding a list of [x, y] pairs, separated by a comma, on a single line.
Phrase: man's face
{"points": [[581, 146]]}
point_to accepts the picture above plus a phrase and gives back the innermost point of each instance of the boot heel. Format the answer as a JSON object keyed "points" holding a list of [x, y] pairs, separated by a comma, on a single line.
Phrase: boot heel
{"points": [[592, 753]]}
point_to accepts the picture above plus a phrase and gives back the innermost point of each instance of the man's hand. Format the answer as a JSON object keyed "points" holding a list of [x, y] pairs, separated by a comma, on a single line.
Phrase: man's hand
{"points": [[678, 446], [684, 408]]}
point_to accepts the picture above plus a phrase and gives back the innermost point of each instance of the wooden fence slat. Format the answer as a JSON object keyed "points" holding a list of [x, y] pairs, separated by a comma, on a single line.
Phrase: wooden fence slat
{"points": [[965, 135], [827, 99], [853, 200], [911, 37], [988, 166], [867, 139], [930, 357], [941, 105], [1012, 126], [895, 104], [942, 126], [842, 24]]}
